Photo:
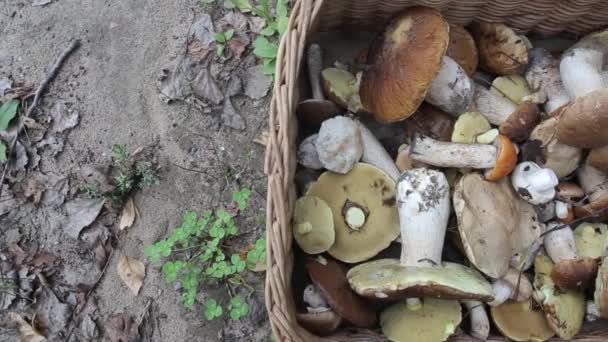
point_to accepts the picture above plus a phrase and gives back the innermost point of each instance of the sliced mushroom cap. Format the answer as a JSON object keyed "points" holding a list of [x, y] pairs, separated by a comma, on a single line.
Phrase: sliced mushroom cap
{"points": [[494, 224], [564, 310], [600, 295], [513, 87], [559, 157], [388, 279], [591, 240], [468, 126], [313, 225], [366, 220], [462, 49], [320, 323], [598, 158], [339, 144], [330, 279], [436, 320], [521, 322], [583, 122], [431, 122], [415, 40], [501, 50]]}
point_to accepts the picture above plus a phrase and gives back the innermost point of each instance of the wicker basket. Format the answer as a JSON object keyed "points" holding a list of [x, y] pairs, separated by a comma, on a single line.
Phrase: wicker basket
{"points": [[310, 16]]}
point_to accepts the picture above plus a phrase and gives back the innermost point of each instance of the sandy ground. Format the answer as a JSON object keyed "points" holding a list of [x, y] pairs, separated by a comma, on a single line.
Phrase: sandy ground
{"points": [[112, 81]]}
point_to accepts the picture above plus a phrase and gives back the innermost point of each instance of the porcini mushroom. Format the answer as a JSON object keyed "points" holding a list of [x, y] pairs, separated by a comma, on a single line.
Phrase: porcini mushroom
{"points": [[512, 285], [307, 153], [452, 90], [544, 78], [436, 320], [533, 183], [571, 271], [342, 87], [375, 154], [513, 87], [598, 158], [501, 50], [595, 184], [581, 66], [362, 201], [431, 122], [498, 161], [480, 324], [313, 227], [424, 208], [316, 110], [584, 121], [521, 322], [330, 279], [321, 323], [600, 295], [315, 302], [403, 62], [339, 144], [564, 310], [468, 126], [591, 240], [462, 49], [559, 157]]}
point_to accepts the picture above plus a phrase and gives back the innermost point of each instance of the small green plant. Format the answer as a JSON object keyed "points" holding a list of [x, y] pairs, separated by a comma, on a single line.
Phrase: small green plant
{"points": [[197, 253], [8, 111], [222, 38], [133, 173], [90, 190]]}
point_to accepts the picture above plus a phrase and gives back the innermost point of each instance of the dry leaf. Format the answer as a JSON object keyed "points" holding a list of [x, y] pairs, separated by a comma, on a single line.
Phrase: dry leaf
{"points": [[128, 214], [33, 188], [81, 212], [32, 124], [121, 328], [102, 253], [132, 273], [26, 331]]}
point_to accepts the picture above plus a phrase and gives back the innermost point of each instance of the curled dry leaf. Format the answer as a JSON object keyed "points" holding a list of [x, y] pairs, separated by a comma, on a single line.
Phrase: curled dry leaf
{"points": [[132, 273], [129, 212], [26, 331]]}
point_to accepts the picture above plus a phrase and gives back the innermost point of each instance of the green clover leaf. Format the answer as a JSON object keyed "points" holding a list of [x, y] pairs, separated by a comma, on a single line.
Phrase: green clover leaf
{"points": [[171, 270], [242, 197], [238, 308], [212, 309]]}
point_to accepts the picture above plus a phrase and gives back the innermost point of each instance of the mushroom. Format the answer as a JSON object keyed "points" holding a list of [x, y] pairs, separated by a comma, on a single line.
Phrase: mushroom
{"points": [[313, 226], [501, 50], [592, 313], [366, 220], [533, 183], [591, 240], [436, 320], [557, 156], [583, 122], [452, 90], [414, 41], [600, 295], [544, 78], [513, 87], [316, 110], [431, 122], [595, 184], [581, 66], [512, 285], [515, 121], [342, 88], [480, 324], [307, 153], [375, 154], [424, 208], [494, 224], [314, 300], [488, 137], [462, 49], [330, 279], [468, 126], [598, 158], [521, 322], [571, 271], [498, 161], [339, 144], [564, 310], [404, 161], [321, 323]]}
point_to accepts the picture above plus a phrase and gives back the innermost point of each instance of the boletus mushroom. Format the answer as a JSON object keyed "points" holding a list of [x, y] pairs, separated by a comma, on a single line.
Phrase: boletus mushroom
{"points": [[478, 317], [313, 227], [512, 285], [595, 184], [555, 155], [424, 208], [591, 240], [329, 277], [598, 158], [435, 321], [533, 183], [339, 144], [431, 122], [468, 126], [564, 310], [452, 89], [584, 121], [462, 49], [307, 153], [501, 50], [362, 201], [513, 87], [321, 323], [403, 62], [600, 295], [545, 80], [342, 88], [521, 321]]}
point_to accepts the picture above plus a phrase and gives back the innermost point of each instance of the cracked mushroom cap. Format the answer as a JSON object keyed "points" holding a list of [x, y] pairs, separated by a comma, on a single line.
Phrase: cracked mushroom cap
{"points": [[521, 322], [462, 49], [564, 310], [583, 122], [313, 225], [591, 240], [321, 323], [329, 277], [501, 50], [388, 279], [404, 60], [362, 201], [600, 295], [494, 224], [435, 321]]}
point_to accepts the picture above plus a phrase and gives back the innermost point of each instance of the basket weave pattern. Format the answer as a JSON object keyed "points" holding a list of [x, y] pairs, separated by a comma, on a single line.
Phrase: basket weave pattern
{"points": [[308, 16]]}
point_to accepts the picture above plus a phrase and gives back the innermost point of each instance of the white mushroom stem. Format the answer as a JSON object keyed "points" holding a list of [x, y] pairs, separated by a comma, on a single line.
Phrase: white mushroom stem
{"points": [[375, 154], [590, 178], [533, 183], [561, 209], [452, 90], [313, 298], [494, 107], [560, 243], [502, 292], [581, 71], [480, 324], [354, 217], [446, 154], [315, 65], [543, 76], [512, 285], [592, 312]]}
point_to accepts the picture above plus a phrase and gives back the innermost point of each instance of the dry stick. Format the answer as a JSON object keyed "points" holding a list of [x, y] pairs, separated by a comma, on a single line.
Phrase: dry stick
{"points": [[49, 77]]}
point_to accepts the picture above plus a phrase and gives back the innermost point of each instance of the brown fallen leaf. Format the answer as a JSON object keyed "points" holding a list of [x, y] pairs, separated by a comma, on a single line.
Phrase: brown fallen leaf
{"points": [[26, 331], [198, 51], [132, 272], [128, 214], [102, 252], [121, 328], [238, 44], [34, 189]]}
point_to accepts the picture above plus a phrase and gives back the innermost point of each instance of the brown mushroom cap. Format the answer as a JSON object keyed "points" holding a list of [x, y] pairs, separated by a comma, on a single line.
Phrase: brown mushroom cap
{"points": [[320, 323], [520, 123], [583, 123], [601, 289], [330, 279], [403, 61], [574, 274], [462, 49], [430, 121], [370, 189], [521, 322], [501, 50], [557, 156], [598, 158], [591, 240], [388, 279], [313, 225], [435, 321], [569, 191]]}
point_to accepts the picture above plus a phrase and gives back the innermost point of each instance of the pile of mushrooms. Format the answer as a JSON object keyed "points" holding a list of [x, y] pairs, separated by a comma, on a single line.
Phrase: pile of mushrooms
{"points": [[435, 193]]}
